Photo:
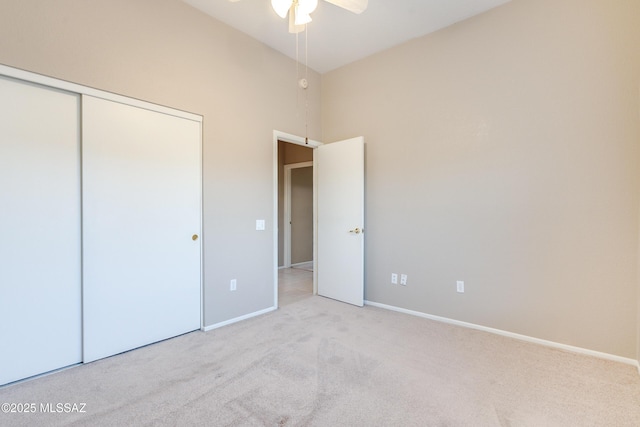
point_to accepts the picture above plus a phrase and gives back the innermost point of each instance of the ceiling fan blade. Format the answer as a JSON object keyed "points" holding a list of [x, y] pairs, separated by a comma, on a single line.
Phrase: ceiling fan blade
{"points": [[281, 7], [355, 6], [302, 15], [307, 7]]}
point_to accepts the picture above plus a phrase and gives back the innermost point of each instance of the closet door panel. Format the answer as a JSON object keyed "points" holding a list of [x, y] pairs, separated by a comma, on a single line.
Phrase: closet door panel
{"points": [[40, 293], [141, 209]]}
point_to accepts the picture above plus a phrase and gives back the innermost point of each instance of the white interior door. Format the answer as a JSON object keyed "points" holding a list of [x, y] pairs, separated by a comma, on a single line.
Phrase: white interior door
{"points": [[341, 220], [141, 207], [40, 295]]}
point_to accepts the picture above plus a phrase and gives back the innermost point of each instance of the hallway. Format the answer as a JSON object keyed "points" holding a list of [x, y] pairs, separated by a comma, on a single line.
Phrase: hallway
{"points": [[294, 284]]}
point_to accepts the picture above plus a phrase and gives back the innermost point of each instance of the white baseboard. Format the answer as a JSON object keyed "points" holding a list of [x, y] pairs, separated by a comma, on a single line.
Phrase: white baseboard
{"points": [[520, 337], [298, 264], [238, 319]]}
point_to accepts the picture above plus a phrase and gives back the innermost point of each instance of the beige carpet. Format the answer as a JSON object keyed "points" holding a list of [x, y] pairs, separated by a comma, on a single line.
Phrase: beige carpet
{"points": [[318, 362]]}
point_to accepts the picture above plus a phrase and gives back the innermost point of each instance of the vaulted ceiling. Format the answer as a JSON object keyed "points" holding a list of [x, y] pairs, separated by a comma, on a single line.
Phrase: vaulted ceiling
{"points": [[337, 37]]}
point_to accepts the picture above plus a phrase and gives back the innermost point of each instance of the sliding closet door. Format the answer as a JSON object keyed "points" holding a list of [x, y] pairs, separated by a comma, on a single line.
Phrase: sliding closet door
{"points": [[141, 207], [40, 314]]}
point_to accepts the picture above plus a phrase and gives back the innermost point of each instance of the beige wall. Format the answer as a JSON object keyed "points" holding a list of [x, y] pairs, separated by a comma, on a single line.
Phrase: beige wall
{"points": [[166, 52], [503, 151], [297, 154], [301, 215]]}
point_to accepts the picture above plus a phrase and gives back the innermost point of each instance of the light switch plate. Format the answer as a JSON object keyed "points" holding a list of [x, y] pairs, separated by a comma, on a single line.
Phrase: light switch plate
{"points": [[260, 224]]}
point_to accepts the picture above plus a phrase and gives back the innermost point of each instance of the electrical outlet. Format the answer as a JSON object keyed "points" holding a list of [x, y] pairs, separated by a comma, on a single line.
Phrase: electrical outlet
{"points": [[403, 280], [394, 278], [232, 285], [460, 286]]}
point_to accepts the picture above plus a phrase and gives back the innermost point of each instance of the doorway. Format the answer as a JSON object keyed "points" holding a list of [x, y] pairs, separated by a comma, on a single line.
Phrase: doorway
{"points": [[338, 180], [294, 206]]}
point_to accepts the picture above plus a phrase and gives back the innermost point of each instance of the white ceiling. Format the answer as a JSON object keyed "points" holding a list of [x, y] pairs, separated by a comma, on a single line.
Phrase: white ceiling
{"points": [[337, 37]]}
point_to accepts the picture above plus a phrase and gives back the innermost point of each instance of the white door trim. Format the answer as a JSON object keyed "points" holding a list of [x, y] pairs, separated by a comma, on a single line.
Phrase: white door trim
{"points": [[299, 140], [287, 208], [16, 73]]}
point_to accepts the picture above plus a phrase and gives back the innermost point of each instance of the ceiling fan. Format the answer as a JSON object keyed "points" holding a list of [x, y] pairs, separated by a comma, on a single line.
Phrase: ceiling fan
{"points": [[300, 10]]}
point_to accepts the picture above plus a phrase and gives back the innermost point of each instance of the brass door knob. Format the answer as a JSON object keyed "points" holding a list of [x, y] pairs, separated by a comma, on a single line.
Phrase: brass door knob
{"points": [[194, 237], [355, 230]]}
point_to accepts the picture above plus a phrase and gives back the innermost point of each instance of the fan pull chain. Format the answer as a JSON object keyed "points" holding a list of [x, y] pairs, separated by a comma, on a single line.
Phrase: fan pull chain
{"points": [[302, 83]]}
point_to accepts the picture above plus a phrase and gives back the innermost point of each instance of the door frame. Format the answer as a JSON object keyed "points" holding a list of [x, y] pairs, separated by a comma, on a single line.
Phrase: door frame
{"points": [[298, 140], [287, 208]]}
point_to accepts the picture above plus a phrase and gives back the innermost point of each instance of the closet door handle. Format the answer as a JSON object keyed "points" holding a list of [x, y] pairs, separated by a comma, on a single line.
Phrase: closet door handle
{"points": [[194, 237]]}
